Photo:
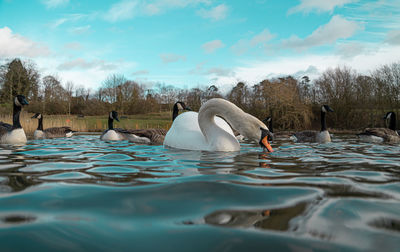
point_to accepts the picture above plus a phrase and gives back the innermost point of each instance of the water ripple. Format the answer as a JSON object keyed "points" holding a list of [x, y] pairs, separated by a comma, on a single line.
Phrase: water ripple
{"points": [[82, 193]]}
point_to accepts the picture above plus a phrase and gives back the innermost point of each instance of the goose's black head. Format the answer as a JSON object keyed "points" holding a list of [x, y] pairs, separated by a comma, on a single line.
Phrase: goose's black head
{"points": [[267, 120], [180, 105], [113, 115], [388, 115], [266, 136], [20, 101], [37, 115], [326, 108]]}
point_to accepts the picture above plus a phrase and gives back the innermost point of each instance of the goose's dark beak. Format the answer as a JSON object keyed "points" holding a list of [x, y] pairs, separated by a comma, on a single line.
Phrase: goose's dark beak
{"points": [[116, 118], [188, 109], [24, 102]]}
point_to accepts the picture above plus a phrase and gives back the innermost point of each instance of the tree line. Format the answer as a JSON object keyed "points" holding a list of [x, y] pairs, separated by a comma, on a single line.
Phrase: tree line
{"points": [[359, 100]]}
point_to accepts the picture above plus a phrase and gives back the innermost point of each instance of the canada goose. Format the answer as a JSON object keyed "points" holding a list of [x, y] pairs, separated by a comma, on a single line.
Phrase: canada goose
{"points": [[315, 136], [53, 132], [382, 134], [392, 122], [156, 136], [206, 131], [115, 134], [179, 106], [14, 134]]}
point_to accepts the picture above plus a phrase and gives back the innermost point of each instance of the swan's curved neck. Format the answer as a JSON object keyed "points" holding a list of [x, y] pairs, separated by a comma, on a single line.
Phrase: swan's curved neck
{"points": [[323, 121], [110, 123], [392, 123], [16, 112], [40, 123], [214, 135]]}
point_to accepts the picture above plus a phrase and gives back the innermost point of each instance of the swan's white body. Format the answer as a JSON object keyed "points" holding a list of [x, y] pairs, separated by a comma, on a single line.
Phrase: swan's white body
{"points": [[206, 131], [185, 132], [15, 136]]}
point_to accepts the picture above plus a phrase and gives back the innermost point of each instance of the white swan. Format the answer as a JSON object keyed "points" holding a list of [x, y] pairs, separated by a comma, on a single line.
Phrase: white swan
{"points": [[206, 131]]}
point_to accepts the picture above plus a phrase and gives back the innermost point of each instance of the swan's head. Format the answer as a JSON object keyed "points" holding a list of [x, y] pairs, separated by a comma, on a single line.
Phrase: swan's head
{"points": [[326, 108], [20, 101], [255, 130], [37, 115], [113, 115]]}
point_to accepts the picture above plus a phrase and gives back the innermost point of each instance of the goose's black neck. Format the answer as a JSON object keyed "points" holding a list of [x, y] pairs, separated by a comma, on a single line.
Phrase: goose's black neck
{"points": [[323, 121], [271, 129], [40, 123], [110, 123], [16, 112], [392, 123], [175, 111]]}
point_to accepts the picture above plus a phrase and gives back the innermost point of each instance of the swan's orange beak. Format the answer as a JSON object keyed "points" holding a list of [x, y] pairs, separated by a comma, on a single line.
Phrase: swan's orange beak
{"points": [[266, 144]]}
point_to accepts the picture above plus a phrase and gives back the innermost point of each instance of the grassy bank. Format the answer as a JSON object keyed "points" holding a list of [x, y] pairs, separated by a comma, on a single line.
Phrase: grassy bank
{"points": [[93, 123]]}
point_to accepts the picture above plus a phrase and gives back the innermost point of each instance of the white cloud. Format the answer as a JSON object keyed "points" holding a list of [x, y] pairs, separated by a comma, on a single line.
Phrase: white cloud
{"points": [[73, 46], [127, 9], [170, 57], [81, 63], [319, 5], [122, 10], [212, 46], [198, 69], [312, 65], [141, 72], [349, 50], [80, 30], [261, 39], [220, 71], [54, 3], [81, 71], [14, 45], [71, 18], [393, 37], [217, 13], [337, 28]]}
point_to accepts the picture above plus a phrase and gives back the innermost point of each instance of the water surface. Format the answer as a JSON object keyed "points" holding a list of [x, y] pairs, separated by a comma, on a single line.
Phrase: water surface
{"points": [[84, 194]]}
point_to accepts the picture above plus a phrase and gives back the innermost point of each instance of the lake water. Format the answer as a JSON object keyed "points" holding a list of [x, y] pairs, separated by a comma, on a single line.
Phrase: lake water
{"points": [[83, 194]]}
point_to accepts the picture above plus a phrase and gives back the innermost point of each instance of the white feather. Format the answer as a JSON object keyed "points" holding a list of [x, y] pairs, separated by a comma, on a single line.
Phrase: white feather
{"points": [[137, 139], [111, 135], [371, 138], [38, 134], [323, 137], [15, 136]]}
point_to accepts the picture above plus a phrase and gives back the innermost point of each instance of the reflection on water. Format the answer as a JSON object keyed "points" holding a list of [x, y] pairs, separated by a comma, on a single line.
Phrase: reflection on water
{"points": [[84, 194]]}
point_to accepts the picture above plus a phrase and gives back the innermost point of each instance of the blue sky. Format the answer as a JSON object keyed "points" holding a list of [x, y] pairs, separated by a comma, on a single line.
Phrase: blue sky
{"points": [[191, 43]]}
